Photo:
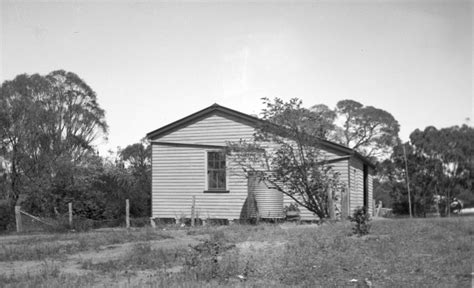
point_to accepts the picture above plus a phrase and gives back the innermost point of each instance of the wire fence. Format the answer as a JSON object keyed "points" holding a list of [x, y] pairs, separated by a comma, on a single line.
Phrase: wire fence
{"points": [[28, 223]]}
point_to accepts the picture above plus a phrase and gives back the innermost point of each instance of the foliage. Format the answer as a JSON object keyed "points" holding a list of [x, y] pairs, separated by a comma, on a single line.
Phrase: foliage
{"points": [[285, 153], [369, 130], [48, 125], [452, 148], [325, 118], [6, 215], [204, 258], [137, 157], [128, 177], [361, 219], [439, 161], [382, 192]]}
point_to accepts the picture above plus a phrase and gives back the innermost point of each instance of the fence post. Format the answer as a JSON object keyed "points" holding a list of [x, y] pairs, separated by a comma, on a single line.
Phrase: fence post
{"points": [[127, 213], [379, 207], [193, 211], [70, 214], [344, 205], [18, 219], [330, 204]]}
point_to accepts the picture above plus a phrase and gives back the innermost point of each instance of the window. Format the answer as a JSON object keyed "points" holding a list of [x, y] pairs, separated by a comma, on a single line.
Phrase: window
{"points": [[216, 174]]}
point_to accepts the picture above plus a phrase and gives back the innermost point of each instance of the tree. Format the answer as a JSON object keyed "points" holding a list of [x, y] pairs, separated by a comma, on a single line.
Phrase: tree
{"points": [[371, 131], [325, 117], [285, 154], [424, 173], [137, 158], [48, 125], [452, 148], [439, 163]]}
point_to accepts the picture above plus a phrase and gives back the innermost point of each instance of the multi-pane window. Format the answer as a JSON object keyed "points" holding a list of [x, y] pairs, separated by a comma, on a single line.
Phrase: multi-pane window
{"points": [[216, 175]]}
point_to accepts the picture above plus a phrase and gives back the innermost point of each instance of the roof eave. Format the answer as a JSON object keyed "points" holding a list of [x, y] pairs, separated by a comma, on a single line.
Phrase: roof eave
{"points": [[254, 121]]}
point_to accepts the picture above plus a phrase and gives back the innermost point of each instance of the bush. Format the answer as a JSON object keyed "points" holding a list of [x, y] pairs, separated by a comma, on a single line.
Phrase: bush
{"points": [[402, 208], [212, 260], [361, 218], [6, 216]]}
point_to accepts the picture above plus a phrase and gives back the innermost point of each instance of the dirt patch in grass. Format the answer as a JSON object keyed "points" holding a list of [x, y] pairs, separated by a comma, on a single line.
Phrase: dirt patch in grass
{"points": [[397, 253], [56, 246]]}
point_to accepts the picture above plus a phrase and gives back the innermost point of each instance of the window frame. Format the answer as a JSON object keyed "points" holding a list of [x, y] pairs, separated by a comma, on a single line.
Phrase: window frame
{"points": [[207, 189]]}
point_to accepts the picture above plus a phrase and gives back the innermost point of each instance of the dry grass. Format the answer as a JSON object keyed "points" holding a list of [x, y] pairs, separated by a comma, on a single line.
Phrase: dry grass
{"points": [[398, 253], [41, 247]]}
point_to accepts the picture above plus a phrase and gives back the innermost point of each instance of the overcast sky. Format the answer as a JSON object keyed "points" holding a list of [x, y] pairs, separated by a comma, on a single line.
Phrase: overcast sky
{"points": [[153, 63]]}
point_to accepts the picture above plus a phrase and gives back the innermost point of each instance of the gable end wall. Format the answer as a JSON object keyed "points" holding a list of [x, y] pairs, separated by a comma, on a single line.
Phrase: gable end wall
{"points": [[178, 172]]}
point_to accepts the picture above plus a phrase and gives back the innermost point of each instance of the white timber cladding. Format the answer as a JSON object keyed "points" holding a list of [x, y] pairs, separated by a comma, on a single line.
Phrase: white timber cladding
{"points": [[371, 191], [356, 185], [179, 173], [213, 130], [178, 176]]}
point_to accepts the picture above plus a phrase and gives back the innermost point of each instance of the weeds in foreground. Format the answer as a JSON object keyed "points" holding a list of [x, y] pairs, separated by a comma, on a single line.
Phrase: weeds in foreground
{"points": [[398, 253], [50, 275], [211, 259], [59, 245], [361, 219], [39, 251]]}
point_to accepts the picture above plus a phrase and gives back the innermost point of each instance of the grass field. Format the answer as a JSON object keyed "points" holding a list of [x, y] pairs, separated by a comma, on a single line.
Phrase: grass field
{"points": [[435, 252]]}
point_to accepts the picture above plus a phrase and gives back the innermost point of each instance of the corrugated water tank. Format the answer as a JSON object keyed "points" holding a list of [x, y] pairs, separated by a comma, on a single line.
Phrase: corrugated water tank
{"points": [[269, 201]]}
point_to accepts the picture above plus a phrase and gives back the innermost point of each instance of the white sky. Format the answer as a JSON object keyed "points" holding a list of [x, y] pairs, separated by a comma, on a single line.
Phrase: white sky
{"points": [[153, 63]]}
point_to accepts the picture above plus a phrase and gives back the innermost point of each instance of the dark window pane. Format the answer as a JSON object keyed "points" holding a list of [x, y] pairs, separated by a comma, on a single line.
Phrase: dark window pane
{"points": [[216, 171], [221, 179], [212, 180]]}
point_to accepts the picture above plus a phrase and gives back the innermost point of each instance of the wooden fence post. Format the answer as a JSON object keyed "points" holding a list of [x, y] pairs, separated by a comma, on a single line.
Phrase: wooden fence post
{"points": [[344, 205], [18, 219], [193, 211], [378, 207], [127, 213], [70, 214], [331, 204]]}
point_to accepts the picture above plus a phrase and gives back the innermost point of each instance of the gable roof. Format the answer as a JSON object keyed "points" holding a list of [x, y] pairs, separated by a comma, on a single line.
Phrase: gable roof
{"points": [[216, 109]]}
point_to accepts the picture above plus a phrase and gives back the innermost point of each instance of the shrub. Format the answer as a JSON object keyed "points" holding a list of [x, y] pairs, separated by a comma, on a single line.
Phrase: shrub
{"points": [[6, 215], [418, 208], [361, 218], [210, 260]]}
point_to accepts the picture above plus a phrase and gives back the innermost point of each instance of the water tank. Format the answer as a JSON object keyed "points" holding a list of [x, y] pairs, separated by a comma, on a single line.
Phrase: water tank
{"points": [[269, 201]]}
